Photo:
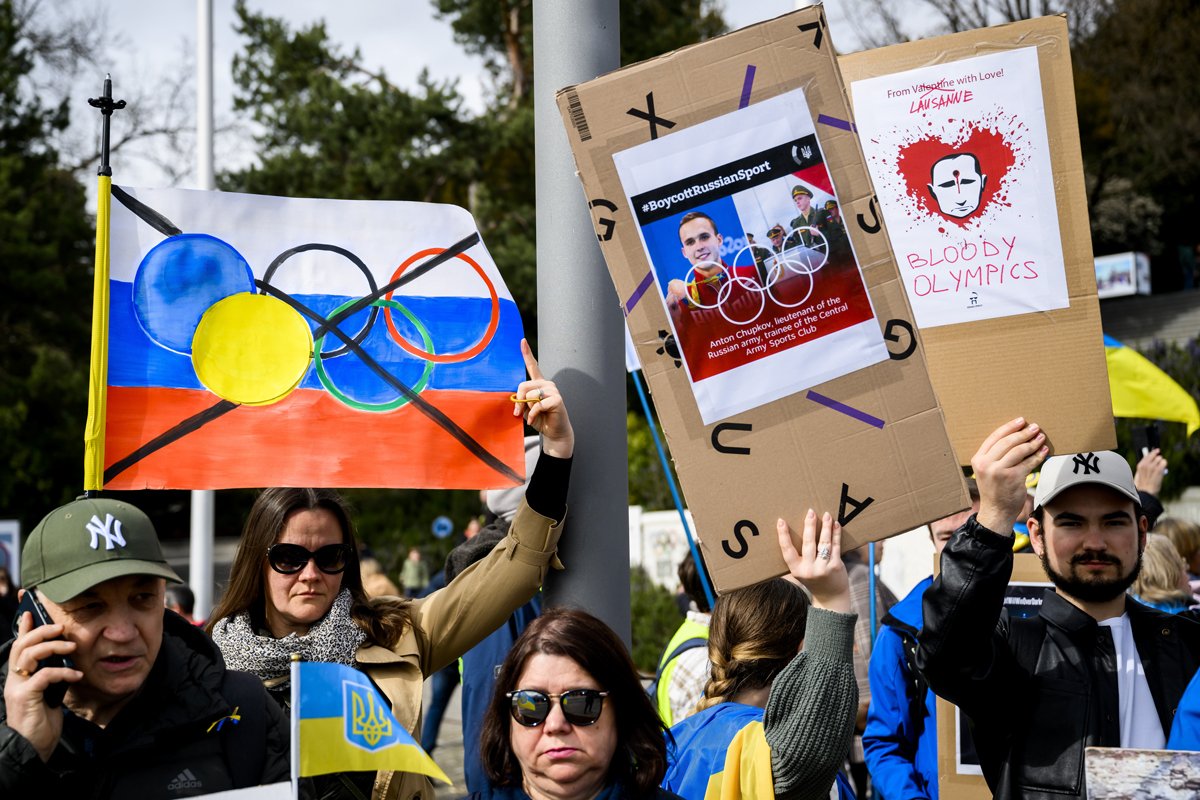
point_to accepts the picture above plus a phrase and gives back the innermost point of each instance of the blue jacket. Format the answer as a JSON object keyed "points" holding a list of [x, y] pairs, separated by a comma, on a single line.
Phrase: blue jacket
{"points": [[900, 746], [1185, 731], [479, 665]]}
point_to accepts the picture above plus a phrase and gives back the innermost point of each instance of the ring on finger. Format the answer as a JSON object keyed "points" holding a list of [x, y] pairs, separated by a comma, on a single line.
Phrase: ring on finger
{"points": [[824, 553], [24, 673]]}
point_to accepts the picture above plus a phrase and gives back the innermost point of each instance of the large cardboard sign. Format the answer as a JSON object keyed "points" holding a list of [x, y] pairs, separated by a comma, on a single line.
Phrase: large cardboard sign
{"points": [[972, 144], [959, 772], [869, 446]]}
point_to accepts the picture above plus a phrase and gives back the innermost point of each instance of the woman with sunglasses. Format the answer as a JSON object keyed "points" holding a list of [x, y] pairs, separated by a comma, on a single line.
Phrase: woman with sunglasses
{"points": [[771, 713], [296, 587], [569, 719]]}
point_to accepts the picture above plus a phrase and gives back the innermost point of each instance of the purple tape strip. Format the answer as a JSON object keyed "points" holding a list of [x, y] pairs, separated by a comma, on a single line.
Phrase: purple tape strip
{"points": [[837, 123], [638, 292], [746, 86], [829, 402]]}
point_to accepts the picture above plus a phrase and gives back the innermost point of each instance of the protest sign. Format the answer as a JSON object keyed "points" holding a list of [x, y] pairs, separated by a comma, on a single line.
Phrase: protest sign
{"points": [[1117, 773], [754, 322], [972, 144], [268, 341], [760, 118]]}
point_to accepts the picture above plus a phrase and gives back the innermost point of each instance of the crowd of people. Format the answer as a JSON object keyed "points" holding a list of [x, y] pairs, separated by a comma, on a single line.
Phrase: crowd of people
{"points": [[112, 689]]}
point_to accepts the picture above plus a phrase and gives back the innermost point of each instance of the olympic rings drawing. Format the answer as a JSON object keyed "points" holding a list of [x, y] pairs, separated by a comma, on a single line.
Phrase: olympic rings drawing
{"points": [[798, 260], [447, 358], [327, 381], [426, 352]]}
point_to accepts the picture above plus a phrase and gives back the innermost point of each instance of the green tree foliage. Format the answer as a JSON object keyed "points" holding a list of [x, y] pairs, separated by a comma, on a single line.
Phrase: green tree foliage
{"points": [[329, 127], [655, 618], [1139, 113], [1182, 363], [46, 288], [647, 485]]}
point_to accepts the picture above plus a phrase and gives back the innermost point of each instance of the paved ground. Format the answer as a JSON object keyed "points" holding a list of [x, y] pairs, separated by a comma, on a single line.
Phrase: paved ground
{"points": [[449, 751]]}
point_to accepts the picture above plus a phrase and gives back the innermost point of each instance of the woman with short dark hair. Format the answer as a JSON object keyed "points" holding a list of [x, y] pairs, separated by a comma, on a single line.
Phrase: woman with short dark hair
{"points": [[569, 719]]}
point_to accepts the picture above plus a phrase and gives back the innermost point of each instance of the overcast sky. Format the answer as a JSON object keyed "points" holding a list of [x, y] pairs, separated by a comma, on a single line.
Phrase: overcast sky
{"points": [[157, 38]]}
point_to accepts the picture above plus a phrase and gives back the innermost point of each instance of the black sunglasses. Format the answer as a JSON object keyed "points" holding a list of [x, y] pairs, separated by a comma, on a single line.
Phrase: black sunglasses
{"points": [[292, 558], [580, 706]]}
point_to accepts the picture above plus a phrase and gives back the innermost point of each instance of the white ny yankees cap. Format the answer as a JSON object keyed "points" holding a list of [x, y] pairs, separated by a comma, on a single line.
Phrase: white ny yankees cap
{"points": [[1105, 468], [87, 542]]}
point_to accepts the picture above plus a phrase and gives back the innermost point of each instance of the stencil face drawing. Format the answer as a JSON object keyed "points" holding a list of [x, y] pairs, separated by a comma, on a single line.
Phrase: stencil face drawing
{"points": [[957, 184]]}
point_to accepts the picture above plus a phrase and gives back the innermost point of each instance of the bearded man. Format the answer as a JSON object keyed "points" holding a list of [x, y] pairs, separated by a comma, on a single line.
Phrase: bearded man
{"points": [[1093, 668]]}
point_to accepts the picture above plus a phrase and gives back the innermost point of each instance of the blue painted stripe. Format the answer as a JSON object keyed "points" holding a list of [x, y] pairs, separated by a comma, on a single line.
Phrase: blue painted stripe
{"points": [[454, 324], [1111, 342]]}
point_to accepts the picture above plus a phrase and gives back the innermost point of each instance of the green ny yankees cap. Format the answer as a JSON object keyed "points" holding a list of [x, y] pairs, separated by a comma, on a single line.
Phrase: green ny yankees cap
{"points": [[87, 542]]}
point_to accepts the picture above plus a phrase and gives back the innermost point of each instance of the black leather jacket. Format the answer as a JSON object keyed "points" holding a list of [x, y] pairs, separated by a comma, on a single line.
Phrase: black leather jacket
{"points": [[1037, 691]]}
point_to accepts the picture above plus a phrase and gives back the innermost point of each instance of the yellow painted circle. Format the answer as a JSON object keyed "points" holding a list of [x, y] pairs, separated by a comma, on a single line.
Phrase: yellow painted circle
{"points": [[251, 349]]}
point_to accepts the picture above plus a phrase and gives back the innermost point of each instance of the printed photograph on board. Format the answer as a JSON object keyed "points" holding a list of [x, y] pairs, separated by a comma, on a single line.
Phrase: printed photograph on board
{"points": [[750, 255]]}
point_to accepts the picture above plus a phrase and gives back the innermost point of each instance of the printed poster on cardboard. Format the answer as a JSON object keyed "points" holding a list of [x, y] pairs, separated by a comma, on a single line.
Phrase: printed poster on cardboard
{"points": [[960, 159], [742, 227]]}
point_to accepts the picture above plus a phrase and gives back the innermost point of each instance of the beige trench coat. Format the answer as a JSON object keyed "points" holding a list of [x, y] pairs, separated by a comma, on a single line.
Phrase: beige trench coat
{"points": [[450, 622]]}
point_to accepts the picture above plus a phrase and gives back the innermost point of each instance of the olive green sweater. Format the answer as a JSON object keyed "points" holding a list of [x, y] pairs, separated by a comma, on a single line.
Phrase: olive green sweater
{"points": [[809, 719]]}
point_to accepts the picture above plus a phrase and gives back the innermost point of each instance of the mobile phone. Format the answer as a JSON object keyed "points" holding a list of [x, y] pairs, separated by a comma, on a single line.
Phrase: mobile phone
{"points": [[1152, 437], [54, 694]]}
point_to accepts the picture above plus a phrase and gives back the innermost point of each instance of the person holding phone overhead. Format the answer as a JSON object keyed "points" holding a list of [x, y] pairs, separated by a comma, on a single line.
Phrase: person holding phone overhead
{"points": [[148, 709]]}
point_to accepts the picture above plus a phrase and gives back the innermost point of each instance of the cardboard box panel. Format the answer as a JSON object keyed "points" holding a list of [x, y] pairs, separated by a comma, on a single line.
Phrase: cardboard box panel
{"points": [[871, 446], [1047, 366]]}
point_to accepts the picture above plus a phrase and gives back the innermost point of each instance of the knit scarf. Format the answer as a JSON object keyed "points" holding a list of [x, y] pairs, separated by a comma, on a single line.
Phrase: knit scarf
{"points": [[335, 638]]}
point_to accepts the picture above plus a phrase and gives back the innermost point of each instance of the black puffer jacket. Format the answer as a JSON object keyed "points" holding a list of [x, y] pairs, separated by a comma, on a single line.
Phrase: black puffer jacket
{"points": [[159, 745], [1037, 691]]}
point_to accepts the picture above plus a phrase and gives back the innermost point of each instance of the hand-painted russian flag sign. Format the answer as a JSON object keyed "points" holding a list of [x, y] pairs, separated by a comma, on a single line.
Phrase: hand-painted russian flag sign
{"points": [[263, 341], [345, 725]]}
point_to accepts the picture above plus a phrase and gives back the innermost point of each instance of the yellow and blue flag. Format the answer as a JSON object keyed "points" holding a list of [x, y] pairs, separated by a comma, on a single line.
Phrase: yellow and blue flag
{"points": [[1143, 391], [344, 724]]}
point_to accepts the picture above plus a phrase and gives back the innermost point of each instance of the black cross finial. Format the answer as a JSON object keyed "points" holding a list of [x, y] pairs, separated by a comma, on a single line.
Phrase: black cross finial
{"points": [[107, 106]]}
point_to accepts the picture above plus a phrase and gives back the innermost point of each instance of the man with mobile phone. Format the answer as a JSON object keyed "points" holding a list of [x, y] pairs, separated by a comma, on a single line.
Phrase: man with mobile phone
{"points": [[147, 707]]}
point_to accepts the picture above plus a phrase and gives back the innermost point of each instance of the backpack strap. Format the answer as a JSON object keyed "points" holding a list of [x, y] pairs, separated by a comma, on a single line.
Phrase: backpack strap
{"points": [[682, 647], [245, 743], [915, 685]]}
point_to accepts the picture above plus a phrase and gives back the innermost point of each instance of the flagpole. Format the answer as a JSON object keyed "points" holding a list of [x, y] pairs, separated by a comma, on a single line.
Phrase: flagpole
{"points": [[203, 510], [295, 724], [93, 433], [662, 457]]}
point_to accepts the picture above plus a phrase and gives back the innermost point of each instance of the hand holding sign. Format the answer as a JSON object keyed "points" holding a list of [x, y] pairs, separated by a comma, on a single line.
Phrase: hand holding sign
{"points": [[1001, 464], [818, 565], [540, 402]]}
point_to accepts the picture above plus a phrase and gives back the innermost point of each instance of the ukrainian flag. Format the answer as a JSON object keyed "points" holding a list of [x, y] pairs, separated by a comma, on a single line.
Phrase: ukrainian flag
{"points": [[1143, 391], [345, 725]]}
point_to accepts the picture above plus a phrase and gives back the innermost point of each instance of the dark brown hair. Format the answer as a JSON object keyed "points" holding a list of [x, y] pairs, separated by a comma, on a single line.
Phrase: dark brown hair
{"points": [[640, 760], [692, 581], [691, 215], [383, 619], [755, 632]]}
